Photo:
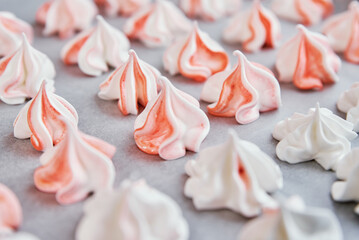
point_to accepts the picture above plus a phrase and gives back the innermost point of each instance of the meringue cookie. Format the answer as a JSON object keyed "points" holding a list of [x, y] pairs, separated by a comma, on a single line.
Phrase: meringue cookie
{"points": [[195, 56], [308, 61], [208, 9], [343, 32], [255, 28], [11, 29], [94, 49], [235, 175], [65, 16], [135, 211], [122, 7], [243, 92], [293, 220], [348, 172], [22, 72], [307, 12], [171, 123], [318, 135], [10, 211], [77, 166], [133, 82], [349, 103], [158, 24], [40, 119]]}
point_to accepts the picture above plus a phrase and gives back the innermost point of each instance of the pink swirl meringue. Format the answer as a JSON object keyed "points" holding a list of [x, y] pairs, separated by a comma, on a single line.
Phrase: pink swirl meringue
{"points": [[308, 61], [243, 92], [40, 119], [208, 9], [158, 24], [121, 7], [94, 49], [66, 16], [343, 32], [77, 166], [196, 56], [133, 82], [307, 12], [255, 28], [10, 211], [171, 123], [22, 72], [11, 29]]}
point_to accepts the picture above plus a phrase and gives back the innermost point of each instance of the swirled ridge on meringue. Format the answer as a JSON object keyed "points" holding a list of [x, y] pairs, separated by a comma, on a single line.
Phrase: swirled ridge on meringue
{"points": [[208, 9], [132, 212], [66, 16], [195, 56], [308, 61], [243, 92], [133, 83], [318, 135], [236, 175], [77, 166], [349, 103], [11, 29], [343, 32], [306, 12], [22, 72], [94, 49], [40, 119], [121, 7], [255, 28], [171, 123], [158, 24]]}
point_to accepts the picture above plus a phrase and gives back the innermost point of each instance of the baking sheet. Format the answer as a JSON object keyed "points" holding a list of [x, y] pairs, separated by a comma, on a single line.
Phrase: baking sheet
{"points": [[50, 221]]}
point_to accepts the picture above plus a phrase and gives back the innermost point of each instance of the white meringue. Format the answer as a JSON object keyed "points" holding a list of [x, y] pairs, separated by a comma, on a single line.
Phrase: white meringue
{"points": [[235, 175], [40, 119], [209, 9], [94, 49], [318, 135], [293, 221], [133, 83], [22, 72], [122, 7], [66, 16], [158, 24], [349, 103], [348, 172], [343, 32], [171, 123], [255, 28], [135, 211], [11, 29], [77, 166], [243, 92], [308, 61], [196, 56], [307, 12]]}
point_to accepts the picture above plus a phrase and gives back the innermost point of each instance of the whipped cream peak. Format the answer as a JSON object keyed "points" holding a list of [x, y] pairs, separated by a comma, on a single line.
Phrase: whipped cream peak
{"points": [[11, 29], [171, 123], [255, 28], [122, 7], [196, 56], [133, 83], [132, 212], [158, 24], [308, 61], [65, 17], [318, 135], [236, 175], [243, 92], [97, 48], [348, 103], [293, 220], [77, 166], [22, 72]]}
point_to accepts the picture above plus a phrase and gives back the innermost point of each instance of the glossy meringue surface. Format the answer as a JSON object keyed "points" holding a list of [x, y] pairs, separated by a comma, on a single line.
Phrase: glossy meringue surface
{"points": [[348, 103]]}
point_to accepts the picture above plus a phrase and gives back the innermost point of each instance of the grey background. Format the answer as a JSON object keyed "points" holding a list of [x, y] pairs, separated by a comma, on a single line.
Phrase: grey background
{"points": [[50, 221]]}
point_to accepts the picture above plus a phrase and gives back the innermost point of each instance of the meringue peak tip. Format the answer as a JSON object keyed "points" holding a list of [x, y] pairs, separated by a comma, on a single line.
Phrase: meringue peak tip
{"points": [[24, 38], [100, 19], [132, 53], [301, 28], [238, 54]]}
